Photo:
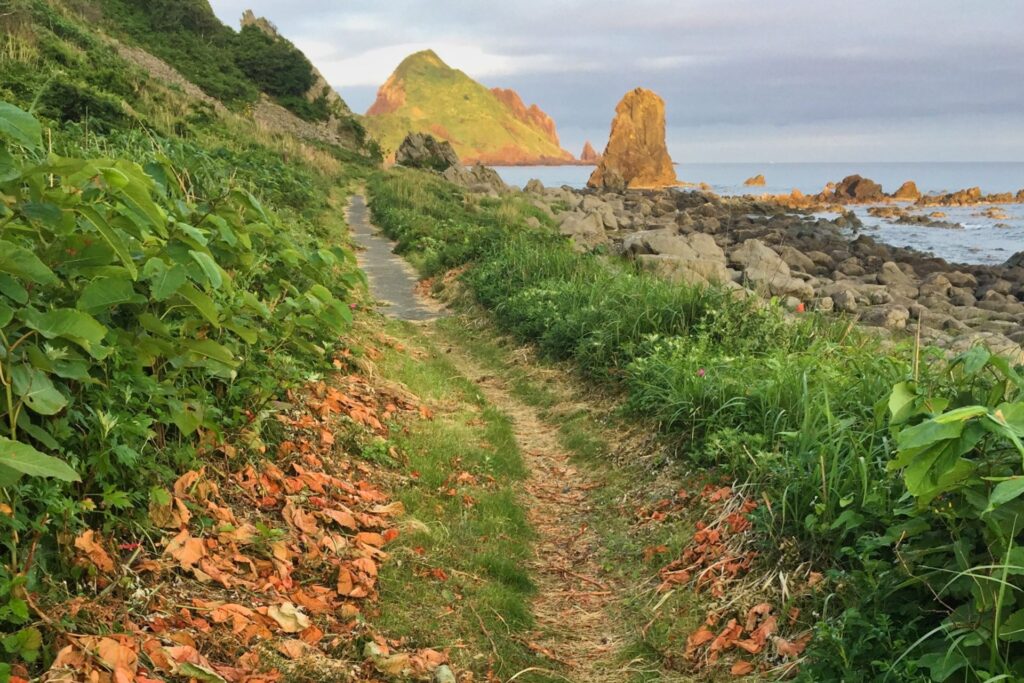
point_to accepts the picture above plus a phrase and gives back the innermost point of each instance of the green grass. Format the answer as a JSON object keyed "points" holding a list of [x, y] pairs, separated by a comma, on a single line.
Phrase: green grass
{"points": [[588, 434], [479, 537], [795, 406]]}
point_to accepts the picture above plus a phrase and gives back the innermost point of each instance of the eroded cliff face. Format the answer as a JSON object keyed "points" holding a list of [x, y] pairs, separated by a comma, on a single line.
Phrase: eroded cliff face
{"points": [[636, 156], [532, 116], [492, 126]]}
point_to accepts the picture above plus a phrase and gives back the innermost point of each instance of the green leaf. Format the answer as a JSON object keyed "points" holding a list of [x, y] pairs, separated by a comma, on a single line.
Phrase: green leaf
{"points": [[70, 324], [186, 416], [961, 414], [210, 268], [106, 292], [13, 289], [22, 263], [164, 281], [200, 673], [8, 477], [112, 237], [1005, 491], [974, 359], [928, 433], [204, 304], [23, 458], [901, 402], [37, 391], [9, 169], [207, 348], [1012, 630], [20, 126]]}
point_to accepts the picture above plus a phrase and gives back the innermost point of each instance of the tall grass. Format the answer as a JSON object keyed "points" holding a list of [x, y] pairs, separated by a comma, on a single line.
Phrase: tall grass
{"points": [[794, 405]]}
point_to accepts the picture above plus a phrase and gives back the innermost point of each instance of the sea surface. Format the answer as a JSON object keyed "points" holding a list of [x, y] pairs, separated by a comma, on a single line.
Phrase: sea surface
{"points": [[982, 239]]}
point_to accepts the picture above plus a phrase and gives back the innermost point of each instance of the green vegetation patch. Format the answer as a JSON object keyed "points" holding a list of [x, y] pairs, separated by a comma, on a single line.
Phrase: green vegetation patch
{"points": [[895, 470]]}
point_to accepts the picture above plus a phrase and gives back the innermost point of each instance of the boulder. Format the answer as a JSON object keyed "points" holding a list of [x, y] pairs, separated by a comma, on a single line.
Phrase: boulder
{"points": [[420, 150], [890, 317], [680, 269], [908, 192], [477, 178], [763, 268], [897, 281], [854, 188], [533, 186], [756, 181], [636, 155], [797, 260], [1017, 260], [585, 230]]}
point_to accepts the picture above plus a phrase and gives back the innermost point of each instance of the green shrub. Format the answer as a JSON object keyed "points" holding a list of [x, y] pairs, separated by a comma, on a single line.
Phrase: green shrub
{"points": [[276, 66]]}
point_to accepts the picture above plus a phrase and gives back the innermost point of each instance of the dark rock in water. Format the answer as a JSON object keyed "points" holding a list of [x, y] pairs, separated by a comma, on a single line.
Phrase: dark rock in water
{"points": [[908, 192], [1020, 196], [420, 150], [1015, 261], [857, 189]]}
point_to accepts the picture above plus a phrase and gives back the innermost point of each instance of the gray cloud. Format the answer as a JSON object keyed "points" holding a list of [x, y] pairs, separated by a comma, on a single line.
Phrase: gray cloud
{"points": [[742, 80]]}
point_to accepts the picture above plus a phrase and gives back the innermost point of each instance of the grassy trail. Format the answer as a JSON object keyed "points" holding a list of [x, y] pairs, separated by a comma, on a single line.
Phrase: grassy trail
{"points": [[572, 605]]}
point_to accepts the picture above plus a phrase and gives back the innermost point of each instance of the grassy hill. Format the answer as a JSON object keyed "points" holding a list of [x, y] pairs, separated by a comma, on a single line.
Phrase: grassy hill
{"points": [[426, 95]]}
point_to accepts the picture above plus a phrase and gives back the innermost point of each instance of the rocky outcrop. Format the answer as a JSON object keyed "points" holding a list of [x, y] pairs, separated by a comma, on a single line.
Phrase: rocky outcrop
{"points": [[425, 95], [320, 87], [908, 192], [855, 189], [419, 150], [756, 246], [531, 116], [636, 155], [589, 155], [476, 178], [756, 181]]}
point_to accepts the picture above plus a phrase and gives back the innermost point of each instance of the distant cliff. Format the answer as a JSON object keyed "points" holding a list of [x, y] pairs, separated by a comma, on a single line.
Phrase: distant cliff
{"points": [[425, 95]]}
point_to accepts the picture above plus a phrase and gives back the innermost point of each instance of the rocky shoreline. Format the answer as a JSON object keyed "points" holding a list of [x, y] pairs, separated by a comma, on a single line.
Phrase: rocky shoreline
{"points": [[807, 262]]}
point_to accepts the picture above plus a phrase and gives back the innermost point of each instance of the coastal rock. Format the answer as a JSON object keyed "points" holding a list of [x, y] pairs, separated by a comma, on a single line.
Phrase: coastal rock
{"points": [[636, 155], [889, 317], [756, 181], [585, 230], [681, 269], [762, 267], [477, 178], [420, 150], [897, 281], [854, 188], [533, 186], [908, 192], [1015, 261], [589, 155]]}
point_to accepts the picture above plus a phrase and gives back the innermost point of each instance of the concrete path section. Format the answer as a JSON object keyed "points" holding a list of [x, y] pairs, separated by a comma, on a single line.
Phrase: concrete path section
{"points": [[392, 280]]}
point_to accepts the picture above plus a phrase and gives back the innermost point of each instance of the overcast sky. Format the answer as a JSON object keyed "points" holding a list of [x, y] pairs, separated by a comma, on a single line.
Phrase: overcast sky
{"points": [[743, 80]]}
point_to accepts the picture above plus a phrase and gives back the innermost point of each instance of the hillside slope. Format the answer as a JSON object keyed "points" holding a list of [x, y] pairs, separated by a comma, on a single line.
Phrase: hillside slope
{"points": [[426, 95]]}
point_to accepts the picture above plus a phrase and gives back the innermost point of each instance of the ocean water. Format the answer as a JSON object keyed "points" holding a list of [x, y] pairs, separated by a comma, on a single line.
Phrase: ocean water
{"points": [[982, 240]]}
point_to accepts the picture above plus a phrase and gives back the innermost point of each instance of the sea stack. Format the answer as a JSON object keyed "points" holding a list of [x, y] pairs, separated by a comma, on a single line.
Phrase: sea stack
{"points": [[636, 156], [908, 192], [589, 155], [756, 181]]}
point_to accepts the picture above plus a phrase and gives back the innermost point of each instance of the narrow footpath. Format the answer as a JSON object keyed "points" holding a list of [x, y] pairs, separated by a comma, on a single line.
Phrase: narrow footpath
{"points": [[572, 607]]}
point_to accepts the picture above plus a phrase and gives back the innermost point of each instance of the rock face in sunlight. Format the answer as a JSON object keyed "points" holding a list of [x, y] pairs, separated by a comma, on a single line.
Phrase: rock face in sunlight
{"points": [[491, 126], [756, 181], [419, 150], [908, 192], [636, 156], [589, 155]]}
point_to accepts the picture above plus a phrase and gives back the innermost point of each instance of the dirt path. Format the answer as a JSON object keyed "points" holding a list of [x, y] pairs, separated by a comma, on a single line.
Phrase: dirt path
{"points": [[572, 605], [573, 601]]}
